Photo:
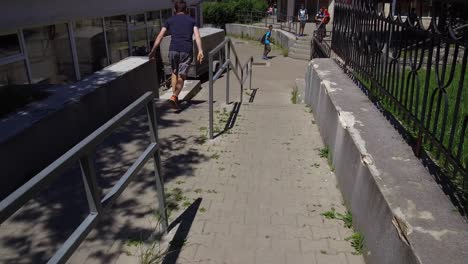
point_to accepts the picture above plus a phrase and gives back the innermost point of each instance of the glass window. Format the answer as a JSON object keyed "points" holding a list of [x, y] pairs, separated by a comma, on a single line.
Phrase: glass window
{"points": [[50, 54], [154, 24], [136, 20], [9, 44], [139, 42], [90, 46], [117, 37]]}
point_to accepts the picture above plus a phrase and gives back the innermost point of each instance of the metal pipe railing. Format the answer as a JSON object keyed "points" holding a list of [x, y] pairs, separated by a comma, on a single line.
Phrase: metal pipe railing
{"points": [[241, 72], [287, 23], [83, 153]]}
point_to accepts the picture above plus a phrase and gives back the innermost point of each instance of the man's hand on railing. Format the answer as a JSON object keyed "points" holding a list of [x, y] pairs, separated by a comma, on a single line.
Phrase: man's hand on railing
{"points": [[200, 57]]}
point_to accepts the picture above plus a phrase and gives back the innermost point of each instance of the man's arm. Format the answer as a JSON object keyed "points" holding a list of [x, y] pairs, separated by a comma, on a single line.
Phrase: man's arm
{"points": [[157, 42], [200, 55]]}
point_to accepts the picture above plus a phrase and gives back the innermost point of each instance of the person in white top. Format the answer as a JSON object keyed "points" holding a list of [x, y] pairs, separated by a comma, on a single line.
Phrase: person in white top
{"points": [[302, 17]]}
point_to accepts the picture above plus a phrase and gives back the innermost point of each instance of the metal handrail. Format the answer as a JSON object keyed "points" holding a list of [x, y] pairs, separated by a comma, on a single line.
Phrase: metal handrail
{"points": [[242, 73], [82, 152], [287, 23]]}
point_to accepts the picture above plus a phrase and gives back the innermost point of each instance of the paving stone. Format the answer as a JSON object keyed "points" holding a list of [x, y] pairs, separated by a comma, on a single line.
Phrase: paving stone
{"points": [[331, 259], [313, 245], [325, 233], [270, 257], [294, 258], [354, 259], [286, 245]]}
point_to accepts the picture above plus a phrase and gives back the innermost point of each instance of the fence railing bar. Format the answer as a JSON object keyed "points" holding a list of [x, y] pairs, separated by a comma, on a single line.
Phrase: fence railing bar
{"points": [[74, 241], [159, 180], [244, 70], [18, 198], [417, 76], [123, 182], [221, 70], [88, 173]]}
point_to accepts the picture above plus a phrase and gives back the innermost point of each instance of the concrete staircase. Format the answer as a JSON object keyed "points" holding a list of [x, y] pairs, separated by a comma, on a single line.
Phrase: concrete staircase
{"points": [[301, 49]]}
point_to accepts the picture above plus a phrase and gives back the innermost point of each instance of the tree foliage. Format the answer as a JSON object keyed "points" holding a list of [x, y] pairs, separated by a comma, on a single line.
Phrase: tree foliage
{"points": [[223, 12]]}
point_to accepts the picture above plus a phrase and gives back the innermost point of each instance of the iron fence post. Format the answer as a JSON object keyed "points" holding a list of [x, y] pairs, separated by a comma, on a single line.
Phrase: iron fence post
{"points": [[241, 85], [153, 126], [250, 73], [88, 173], [228, 58], [210, 97]]}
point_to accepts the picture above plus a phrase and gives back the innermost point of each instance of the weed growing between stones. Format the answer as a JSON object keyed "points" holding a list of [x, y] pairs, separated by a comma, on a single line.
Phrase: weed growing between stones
{"points": [[347, 218], [294, 94], [150, 250], [357, 242], [356, 239], [323, 152]]}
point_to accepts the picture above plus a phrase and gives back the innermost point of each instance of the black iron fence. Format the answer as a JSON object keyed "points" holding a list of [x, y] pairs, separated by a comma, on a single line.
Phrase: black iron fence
{"points": [[281, 21], [415, 70]]}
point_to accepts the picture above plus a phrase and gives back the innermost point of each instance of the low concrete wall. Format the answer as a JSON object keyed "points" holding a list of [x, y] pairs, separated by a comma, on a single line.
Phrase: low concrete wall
{"points": [[210, 37], [403, 214], [281, 37], [36, 136]]}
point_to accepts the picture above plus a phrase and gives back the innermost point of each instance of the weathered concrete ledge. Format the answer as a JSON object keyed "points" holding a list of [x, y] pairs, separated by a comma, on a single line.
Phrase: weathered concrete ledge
{"points": [[41, 132], [402, 212], [281, 37]]}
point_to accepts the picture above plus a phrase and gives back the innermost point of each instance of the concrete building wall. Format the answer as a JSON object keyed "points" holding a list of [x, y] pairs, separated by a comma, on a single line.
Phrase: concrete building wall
{"points": [[27, 13]]}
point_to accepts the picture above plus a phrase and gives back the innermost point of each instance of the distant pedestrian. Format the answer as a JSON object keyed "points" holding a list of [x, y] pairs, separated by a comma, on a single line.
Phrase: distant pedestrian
{"points": [[267, 42], [270, 11], [302, 17], [181, 27]]}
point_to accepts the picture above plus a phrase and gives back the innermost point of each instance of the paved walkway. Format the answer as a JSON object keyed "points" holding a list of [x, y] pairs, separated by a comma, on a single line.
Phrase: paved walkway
{"points": [[255, 194]]}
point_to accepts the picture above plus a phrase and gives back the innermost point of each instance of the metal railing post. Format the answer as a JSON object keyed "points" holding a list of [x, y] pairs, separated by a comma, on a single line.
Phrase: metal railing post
{"points": [[210, 97], [241, 85], [250, 73], [93, 194], [153, 126], [228, 58]]}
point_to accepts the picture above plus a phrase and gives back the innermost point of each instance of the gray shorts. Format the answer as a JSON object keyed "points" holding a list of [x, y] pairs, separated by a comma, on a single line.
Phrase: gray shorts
{"points": [[180, 62]]}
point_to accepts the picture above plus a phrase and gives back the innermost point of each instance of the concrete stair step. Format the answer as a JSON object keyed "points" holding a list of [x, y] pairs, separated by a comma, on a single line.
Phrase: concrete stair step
{"points": [[191, 88], [300, 51], [299, 56], [301, 46], [303, 41]]}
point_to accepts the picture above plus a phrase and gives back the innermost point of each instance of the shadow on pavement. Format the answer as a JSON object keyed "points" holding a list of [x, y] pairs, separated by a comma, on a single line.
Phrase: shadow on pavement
{"points": [[184, 221], [38, 229]]}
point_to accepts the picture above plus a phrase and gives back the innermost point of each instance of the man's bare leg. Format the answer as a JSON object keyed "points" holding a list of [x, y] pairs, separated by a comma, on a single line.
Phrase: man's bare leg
{"points": [[173, 83], [180, 84]]}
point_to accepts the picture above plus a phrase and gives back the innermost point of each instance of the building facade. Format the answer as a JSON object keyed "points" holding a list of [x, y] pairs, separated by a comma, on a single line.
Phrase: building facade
{"points": [[56, 42]]}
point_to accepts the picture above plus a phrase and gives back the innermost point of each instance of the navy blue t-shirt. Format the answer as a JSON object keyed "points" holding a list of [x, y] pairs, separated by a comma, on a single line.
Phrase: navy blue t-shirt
{"points": [[181, 29]]}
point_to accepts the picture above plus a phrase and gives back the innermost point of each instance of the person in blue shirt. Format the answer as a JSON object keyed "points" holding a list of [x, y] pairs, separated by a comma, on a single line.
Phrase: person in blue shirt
{"points": [[267, 43], [182, 28]]}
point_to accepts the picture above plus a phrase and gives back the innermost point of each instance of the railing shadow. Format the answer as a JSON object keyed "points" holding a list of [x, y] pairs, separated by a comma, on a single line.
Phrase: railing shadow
{"points": [[231, 121], [185, 221]]}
